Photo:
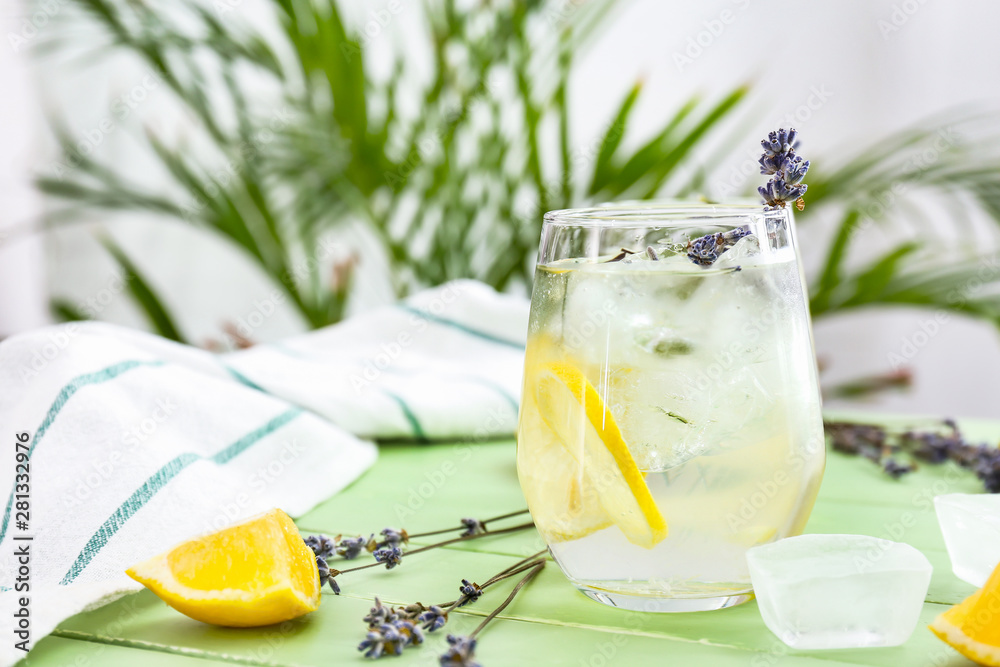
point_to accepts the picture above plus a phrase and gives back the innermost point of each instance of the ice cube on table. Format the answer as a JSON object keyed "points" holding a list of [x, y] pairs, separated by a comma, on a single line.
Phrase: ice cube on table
{"points": [[971, 526], [839, 591]]}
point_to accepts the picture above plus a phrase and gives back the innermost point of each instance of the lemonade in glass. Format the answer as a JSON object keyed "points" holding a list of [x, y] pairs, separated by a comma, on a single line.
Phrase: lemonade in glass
{"points": [[670, 417]]}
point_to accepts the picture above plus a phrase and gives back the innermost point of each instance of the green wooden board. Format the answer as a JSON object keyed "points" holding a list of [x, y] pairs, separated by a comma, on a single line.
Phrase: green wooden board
{"points": [[53, 650], [426, 487]]}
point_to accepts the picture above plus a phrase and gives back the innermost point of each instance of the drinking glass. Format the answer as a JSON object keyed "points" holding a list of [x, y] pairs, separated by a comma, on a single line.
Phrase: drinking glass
{"points": [[670, 418]]}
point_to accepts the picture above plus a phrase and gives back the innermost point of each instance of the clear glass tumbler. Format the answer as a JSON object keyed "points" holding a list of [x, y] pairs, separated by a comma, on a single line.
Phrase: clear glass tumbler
{"points": [[670, 418]]}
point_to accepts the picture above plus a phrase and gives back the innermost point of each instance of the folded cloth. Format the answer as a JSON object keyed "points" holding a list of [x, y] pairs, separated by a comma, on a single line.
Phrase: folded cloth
{"points": [[136, 443], [446, 363]]}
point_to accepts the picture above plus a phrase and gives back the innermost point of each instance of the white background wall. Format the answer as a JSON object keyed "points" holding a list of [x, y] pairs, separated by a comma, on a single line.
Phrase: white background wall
{"points": [[867, 66], [22, 288]]}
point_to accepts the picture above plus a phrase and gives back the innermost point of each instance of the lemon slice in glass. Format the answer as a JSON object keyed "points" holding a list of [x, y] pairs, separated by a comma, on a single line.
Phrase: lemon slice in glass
{"points": [[563, 505], [573, 410]]}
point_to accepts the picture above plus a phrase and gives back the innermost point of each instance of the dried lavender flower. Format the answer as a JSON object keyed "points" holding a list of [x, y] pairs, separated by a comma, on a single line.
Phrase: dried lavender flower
{"points": [[876, 444], [351, 547], [321, 545], [434, 618], [931, 447], [393, 538], [778, 192], [324, 570], [472, 527], [780, 142], [388, 634], [410, 612], [706, 249], [795, 169], [386, 639], [394, 639], [378, 614], [391, 556], [785, 168], [326, 573], [461, 652], [411, 633], [895, 469], [470, 592], [376, 643], [851, 438], [987, 469]]}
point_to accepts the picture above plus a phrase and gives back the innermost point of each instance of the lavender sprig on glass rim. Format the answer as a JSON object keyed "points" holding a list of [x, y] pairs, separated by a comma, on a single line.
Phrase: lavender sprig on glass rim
{"points": [[933, 446], [389, 550], [786, 170]]}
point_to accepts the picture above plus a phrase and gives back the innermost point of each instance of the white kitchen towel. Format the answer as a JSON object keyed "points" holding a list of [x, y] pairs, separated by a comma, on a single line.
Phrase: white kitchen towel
{"points": [[445, 363], [137, 443]]}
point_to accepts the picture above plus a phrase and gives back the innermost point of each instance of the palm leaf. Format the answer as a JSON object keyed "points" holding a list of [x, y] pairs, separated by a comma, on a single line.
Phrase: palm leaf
{"points": [[955, 286], [603, 170], [66, 311], [645, 172], [831, 276], [622, 176], [144, 294], [685, 144], [874, 283]]}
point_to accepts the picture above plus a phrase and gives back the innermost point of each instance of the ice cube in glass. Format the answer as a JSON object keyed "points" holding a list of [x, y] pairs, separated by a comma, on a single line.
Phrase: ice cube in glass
{"points": [[839, 591], [971, 526]]}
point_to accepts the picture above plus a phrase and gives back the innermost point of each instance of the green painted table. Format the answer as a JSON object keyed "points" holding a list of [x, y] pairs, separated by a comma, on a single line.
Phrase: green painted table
{"points": [[425, 487]]}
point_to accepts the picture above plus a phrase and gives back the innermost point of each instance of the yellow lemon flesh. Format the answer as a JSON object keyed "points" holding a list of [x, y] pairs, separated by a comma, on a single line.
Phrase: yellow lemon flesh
{"points": [[972, 627], [610, 479], [257, 572], [563, 506]]}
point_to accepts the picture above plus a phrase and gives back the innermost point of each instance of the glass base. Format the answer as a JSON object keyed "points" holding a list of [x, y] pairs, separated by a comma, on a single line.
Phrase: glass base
{"points": [[665, 605]]}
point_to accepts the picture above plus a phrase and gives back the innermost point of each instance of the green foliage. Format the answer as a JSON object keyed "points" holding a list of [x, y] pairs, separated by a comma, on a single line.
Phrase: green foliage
{"points": [[143, 294], [66, 311], [448, 192], [948, 265], [457, 188]]}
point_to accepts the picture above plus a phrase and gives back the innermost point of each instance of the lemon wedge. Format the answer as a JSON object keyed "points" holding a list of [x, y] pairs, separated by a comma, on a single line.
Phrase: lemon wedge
{"points": [[573, 410], [972, 627], [257, 572]]}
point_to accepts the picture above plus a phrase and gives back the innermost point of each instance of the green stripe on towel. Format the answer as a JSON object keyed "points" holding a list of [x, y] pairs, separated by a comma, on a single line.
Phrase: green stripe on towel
{"points": [[418, 431], [461, 327], [158, 480], [243, 379], [62, 398], [496, 388], [462, 377]]}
